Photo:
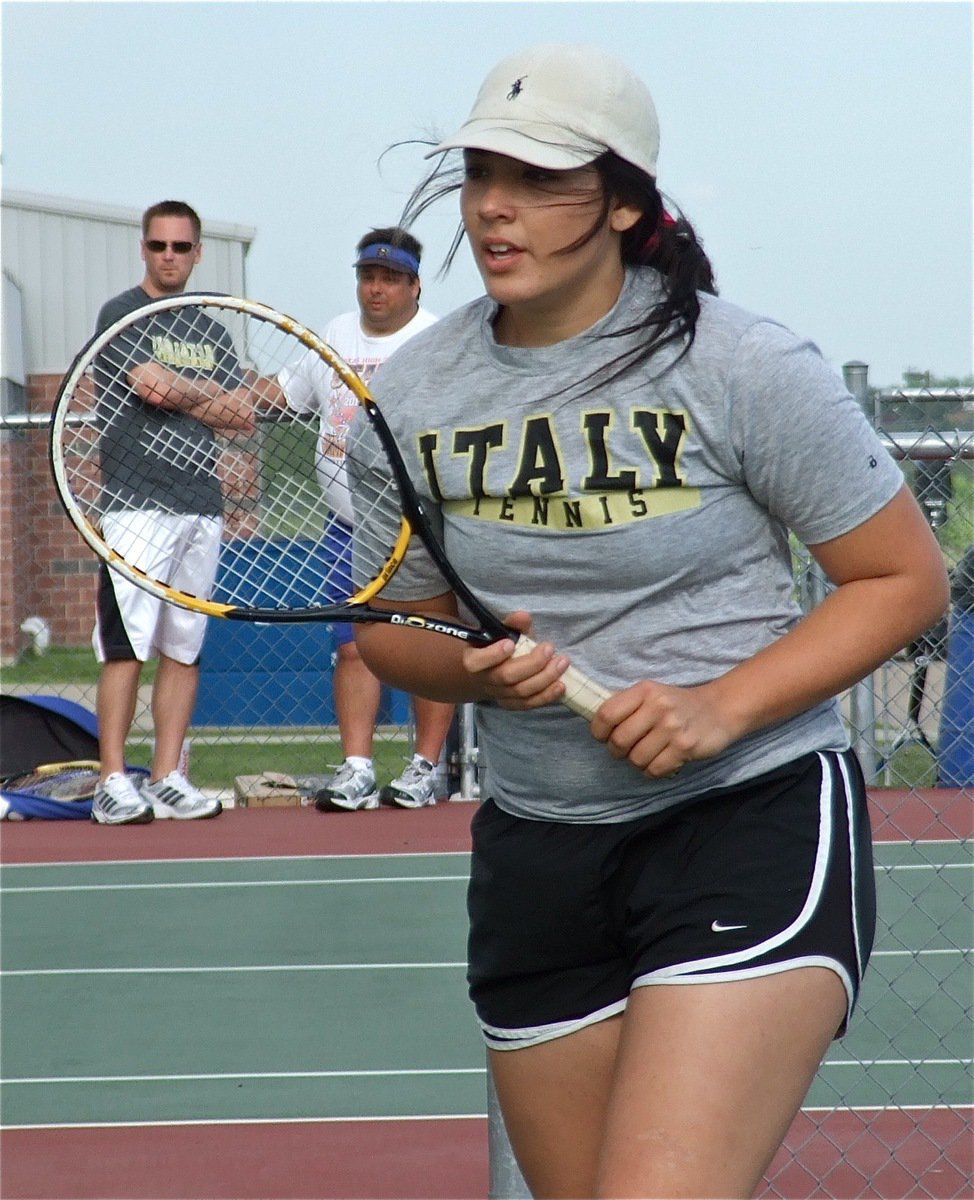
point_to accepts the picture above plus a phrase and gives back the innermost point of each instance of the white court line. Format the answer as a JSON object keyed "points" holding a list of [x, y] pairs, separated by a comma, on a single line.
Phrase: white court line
{"points": [[239, 858], [958, 866], [211, 970], [232, 883], [205, 1078], [61, 864], [385, 966], [896, 1062], [478, 1116], [57, 1080], [363, 879], [919, 953]]}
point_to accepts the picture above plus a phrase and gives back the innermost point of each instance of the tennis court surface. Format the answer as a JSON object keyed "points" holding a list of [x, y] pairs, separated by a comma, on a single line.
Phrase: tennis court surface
{"points": [[273, 1005]]}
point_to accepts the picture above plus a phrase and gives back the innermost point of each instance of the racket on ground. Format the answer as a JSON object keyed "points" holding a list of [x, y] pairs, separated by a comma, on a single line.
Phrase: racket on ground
{"points": [[54, 790], [286, 552], [64, 781]]}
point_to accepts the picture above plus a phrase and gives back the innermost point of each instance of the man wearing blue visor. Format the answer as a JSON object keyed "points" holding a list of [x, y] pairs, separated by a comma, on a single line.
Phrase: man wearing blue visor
{"points": [[389, 314]]}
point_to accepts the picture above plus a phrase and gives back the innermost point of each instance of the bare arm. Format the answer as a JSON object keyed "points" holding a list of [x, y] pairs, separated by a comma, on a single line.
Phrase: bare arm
{"points": [[891, 584], [423, 663], [224, 411], [269, 395]]}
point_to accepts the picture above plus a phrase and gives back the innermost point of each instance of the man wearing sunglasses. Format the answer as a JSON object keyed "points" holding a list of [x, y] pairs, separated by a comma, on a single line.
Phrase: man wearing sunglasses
{"points": [[168, 508]]}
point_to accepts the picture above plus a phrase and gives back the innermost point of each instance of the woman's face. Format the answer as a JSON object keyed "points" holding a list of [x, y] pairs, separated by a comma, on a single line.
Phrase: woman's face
{"points": [[520, 221]]}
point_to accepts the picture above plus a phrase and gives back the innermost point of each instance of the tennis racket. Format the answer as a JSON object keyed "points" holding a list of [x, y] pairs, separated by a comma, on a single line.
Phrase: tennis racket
{"points": [[58, 781], [125, 467], [54, 791], [62, 781]]}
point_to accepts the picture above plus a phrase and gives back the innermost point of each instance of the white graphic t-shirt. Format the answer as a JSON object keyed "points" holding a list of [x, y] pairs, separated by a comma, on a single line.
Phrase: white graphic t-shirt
{"points": [[310, 385]]}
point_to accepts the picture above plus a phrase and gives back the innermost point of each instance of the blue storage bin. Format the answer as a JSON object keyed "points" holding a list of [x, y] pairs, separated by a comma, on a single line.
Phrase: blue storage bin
{"points": [[240, 645], [251, 697], [279, 566], [274, 674], [955, 755]]}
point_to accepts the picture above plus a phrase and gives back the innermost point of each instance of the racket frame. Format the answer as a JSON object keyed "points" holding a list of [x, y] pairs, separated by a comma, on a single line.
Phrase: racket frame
{"points": [[413, 518]]}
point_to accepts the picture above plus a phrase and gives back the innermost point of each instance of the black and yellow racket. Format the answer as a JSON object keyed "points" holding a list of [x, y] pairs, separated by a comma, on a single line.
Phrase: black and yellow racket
{"points": [[127, 457]]}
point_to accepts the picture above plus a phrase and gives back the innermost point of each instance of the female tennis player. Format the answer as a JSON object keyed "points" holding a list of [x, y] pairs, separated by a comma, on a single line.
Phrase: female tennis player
{"points": [[671, 908]]}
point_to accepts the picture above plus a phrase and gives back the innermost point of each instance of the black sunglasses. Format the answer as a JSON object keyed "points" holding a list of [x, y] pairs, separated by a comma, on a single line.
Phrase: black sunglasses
{"points": [[158, 247]]}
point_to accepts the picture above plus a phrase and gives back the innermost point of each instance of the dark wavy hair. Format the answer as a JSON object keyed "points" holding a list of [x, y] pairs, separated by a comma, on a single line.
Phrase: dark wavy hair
{"points": [[659, 240]]}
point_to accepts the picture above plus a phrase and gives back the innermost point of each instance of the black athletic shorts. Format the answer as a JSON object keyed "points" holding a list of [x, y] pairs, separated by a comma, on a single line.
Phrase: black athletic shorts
{"points": [[766, 876]]}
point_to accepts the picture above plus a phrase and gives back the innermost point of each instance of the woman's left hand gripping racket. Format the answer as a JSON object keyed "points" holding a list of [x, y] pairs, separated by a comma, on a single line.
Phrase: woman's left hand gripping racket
{"points": [[287, 549]]}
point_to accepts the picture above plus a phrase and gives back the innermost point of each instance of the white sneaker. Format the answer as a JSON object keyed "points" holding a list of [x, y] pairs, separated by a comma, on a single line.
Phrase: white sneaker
{"points": [[117, 802], [175, 798], [352, 788], [414, 787]]}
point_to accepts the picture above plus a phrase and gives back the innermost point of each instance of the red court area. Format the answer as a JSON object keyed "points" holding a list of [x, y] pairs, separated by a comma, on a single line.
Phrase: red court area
{"points": [[839, 1154], [270, 832], [309, 1160], [929, 814], [327, 1160], [245, 833]]}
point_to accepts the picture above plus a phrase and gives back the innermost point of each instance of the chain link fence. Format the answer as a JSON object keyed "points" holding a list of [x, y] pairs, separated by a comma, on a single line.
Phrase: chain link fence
{"points": [[890, 1112]]}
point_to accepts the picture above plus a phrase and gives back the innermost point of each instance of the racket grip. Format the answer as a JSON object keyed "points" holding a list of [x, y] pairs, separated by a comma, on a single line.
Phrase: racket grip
{"points": [[583, 695]]}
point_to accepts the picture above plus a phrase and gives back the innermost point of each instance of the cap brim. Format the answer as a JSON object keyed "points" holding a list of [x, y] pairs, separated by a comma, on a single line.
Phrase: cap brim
{"points": [[537, 145], [383, 262]]}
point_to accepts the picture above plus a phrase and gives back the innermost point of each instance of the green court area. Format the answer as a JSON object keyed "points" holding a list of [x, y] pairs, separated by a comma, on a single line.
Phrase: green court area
{"points": [[219, 990]]}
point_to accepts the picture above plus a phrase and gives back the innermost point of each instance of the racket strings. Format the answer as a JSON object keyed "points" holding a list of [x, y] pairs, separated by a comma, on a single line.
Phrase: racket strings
{"points": [[377, 506], [279, 491], [168, 443]]}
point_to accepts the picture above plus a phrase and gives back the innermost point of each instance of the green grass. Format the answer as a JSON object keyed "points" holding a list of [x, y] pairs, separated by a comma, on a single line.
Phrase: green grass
{"points": [[60, 665], [216, 761], [912, 766], [217, 764]]}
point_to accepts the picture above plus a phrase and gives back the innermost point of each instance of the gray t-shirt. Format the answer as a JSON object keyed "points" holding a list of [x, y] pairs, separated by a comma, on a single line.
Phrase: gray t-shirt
{"points": [[645, 525], [152, 458]]}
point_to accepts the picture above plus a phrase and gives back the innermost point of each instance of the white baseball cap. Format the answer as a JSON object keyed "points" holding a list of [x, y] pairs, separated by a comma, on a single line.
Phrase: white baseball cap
{"points": [[561, 106]]}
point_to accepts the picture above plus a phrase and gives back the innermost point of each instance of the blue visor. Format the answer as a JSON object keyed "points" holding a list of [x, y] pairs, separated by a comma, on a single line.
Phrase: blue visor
{"points": [[383, 254]]}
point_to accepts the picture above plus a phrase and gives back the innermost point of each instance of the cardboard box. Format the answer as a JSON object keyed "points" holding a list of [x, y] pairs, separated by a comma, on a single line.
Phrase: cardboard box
{"points": [[268, 790]]}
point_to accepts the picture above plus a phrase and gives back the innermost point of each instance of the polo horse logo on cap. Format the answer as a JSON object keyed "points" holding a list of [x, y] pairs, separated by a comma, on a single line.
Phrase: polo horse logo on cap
{"points": [[516, 88]]}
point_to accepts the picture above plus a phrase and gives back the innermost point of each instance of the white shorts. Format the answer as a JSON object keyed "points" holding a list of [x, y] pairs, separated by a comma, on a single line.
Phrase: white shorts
{"points": [[180, 550]]}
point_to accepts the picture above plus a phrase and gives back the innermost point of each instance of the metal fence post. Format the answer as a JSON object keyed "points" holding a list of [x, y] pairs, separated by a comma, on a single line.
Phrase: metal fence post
{"points": [[856, 377], [506, 1180], [468, 754], [862, 698]]}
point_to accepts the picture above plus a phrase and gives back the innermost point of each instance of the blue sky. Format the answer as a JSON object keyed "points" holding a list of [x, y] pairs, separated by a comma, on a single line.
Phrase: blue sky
{"points": [[823, 150]]}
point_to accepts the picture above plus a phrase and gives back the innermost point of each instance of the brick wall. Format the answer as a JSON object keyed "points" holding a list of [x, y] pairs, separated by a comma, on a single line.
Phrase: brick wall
{"points": [[45, 567]]}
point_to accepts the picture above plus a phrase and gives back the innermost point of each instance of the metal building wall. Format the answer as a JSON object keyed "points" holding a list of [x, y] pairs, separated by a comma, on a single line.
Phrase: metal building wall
{"points": [[67, 257]]}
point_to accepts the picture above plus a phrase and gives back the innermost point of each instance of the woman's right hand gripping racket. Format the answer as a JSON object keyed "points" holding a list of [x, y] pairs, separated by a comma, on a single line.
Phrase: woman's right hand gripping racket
{"points": [[287, 551]]}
